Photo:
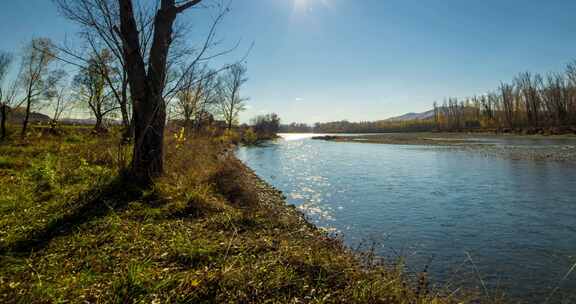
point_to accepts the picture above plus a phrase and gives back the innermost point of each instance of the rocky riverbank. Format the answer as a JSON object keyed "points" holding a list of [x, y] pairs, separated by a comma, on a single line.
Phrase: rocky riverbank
{"points": [[530, 147]]}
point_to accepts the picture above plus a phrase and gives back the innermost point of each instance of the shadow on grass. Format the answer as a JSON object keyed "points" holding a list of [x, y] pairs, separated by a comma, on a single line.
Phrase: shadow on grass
{"points": [[92, 204]]}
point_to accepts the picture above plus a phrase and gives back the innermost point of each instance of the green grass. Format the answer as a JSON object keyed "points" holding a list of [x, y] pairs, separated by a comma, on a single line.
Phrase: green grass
{"points": [[72, 230]]}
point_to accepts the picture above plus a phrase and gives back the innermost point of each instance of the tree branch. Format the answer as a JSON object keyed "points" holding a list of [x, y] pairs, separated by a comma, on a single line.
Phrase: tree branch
{"points": [[187, 5]]}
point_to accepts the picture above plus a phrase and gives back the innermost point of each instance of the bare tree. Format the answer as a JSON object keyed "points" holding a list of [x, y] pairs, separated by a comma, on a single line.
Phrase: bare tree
{"points": [[530, 102], [571, 81], [436, 115], [63, 102], [266, 126], [57, 96], [196, 96], [36, 59], [98, 20], [142, 38], [188, 97], [528, 87], [91, 89], [231, 102], [5, 61], [147, 82], [208, 100], [507, 98]]}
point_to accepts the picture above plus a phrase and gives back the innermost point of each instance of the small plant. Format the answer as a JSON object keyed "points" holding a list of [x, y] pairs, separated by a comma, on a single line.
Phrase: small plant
{"points": [[5, 163], [74, 139], [128, 288], [43, 173], [230, 136], [250, 137], [180, 138]]}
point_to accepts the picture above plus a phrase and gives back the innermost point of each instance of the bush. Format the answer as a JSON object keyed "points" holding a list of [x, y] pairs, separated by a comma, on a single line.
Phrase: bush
{"points": [[5, 163], [249, 137], [43, 173]]}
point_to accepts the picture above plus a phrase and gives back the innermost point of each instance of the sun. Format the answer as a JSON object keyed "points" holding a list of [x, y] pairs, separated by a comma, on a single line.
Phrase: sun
{"points": [[306, 5]]}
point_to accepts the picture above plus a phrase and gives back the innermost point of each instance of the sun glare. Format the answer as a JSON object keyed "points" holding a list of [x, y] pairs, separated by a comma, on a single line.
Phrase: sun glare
{"points": [[306, 5]]}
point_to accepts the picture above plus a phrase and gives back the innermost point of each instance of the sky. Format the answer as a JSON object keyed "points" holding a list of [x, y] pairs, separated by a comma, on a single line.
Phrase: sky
{"points": [[327, 60]]}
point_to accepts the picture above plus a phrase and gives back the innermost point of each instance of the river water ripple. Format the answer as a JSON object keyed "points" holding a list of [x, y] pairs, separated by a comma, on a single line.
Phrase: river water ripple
{"points": [[511, 221]]}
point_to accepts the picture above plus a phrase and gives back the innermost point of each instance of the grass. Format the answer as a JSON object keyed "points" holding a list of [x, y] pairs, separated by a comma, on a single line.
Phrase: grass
{"points": [[73, 230]]}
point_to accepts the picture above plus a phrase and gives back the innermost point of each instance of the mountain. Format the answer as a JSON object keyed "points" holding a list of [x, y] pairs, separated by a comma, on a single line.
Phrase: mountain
{"points": [[17, 116], [78, 121], [414, 116]]}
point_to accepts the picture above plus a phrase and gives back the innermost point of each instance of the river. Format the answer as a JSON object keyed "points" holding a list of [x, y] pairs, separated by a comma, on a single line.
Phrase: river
{"points": [[472, 220]]}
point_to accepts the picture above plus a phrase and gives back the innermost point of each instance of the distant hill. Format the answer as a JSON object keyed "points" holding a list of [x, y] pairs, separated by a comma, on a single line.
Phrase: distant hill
{"points": [[78, 121], [17, 115], [413, 116]]}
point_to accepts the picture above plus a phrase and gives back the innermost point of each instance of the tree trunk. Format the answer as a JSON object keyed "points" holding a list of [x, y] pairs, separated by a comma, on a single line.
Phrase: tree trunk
{"points": [[126, 121], [26, 117], [230, 119], [125, 118], [3, 122], [147, 161], [98, 127], [146, 89]]}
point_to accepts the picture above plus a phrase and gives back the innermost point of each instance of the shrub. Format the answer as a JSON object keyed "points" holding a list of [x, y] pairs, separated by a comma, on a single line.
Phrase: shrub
{"points": [[43, 173], [5, 163], [249, 137]]}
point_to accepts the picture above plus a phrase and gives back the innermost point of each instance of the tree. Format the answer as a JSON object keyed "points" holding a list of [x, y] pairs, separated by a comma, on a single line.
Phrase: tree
{"points": [[207, 101], [188, 97], [196, 97], [147, 83], [5, 61], [98, 20], [142, 38], [37, 57], [55, 95], [62, 103], [91, 89], [571, 81], [266, 126], [507, 98], [556, 97], [528, 87], [231, 103]]}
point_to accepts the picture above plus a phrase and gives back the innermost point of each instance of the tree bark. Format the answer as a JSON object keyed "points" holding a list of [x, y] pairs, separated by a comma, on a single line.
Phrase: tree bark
{"points": [[3, 122], [147, 88], [147, 85], [26, 117], [126, 121], [98, 127]]}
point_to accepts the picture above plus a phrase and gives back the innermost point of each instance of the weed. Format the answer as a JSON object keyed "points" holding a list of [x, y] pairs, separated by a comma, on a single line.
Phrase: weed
{"points": [[5, 163], [43, 173]]}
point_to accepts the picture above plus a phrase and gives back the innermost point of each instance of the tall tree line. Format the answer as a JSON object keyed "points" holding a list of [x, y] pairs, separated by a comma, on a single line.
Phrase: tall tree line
{"points": [[530, 102], [373, 126]]}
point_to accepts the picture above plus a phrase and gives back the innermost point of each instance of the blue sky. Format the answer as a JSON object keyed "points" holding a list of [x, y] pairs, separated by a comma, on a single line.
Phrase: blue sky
{"points": [[323, 60]]}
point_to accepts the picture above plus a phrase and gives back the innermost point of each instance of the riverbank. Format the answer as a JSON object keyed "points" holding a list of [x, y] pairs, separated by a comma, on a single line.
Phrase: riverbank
{"points": [[73, 230], [520, 147]]}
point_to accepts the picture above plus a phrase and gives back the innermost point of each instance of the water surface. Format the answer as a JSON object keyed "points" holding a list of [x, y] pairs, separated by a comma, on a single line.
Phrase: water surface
{"points": [[511, 221]]}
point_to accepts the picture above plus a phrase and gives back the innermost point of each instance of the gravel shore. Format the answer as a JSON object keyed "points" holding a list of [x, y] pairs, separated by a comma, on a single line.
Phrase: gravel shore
{"points": [[540, 148], [270, 197]]}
